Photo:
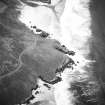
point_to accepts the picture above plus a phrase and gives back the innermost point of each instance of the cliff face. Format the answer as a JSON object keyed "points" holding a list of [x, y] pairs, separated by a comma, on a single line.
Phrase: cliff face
{"points": [[32, 57], [24, 56]]}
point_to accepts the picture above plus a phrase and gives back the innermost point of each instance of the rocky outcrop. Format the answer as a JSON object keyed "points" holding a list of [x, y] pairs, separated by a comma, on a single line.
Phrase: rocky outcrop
{"points": [[24, 56]]}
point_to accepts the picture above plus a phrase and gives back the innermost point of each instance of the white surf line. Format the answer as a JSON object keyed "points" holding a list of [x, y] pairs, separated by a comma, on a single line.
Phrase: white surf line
{"points": [[75, 24], [42, 17], [75, 27]]}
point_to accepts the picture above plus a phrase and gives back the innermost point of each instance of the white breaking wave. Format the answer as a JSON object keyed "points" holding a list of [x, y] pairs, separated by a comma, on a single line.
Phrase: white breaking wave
{"points": [[74, 32], [75, 27]]}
